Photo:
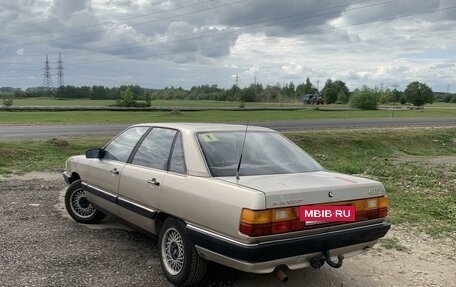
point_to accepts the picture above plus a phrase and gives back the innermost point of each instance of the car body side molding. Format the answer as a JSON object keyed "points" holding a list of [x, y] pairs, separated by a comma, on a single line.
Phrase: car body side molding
{"points": [[137, 208], [99, 192], [125, 203]]}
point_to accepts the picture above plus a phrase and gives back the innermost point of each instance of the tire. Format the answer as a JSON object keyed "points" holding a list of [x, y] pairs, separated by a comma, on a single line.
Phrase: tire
{"points": [[78, 207], [178, 257]]}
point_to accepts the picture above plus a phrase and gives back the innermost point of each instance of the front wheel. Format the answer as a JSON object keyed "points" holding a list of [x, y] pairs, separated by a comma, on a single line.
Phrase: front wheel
{"points": [[178, 257], [79, 207]]}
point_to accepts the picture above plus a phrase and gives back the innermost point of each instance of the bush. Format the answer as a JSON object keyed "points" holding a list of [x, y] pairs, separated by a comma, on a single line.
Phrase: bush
{"points": [[453, 99], [8, 100], [365, 99], [418, 94]]}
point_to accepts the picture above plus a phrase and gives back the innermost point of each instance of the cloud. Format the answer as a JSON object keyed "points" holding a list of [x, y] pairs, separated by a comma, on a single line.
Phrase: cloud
{"points": [[360, 42]]}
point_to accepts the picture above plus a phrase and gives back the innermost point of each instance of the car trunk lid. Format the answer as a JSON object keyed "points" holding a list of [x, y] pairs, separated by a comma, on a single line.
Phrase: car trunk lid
{"points": [[309, 188]]}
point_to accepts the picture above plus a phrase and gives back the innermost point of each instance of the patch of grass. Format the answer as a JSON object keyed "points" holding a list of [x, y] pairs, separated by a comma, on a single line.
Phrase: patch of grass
{"points": [[392, 243], [100, 117], [43, 155], [421, 192], [45, 101]]}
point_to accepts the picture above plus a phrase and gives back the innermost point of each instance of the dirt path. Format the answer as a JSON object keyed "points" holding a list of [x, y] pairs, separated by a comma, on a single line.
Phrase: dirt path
{"points": [[41, 246]]}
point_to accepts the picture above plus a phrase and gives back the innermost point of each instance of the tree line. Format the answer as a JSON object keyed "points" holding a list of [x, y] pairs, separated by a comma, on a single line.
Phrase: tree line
{"points": [[333, 92]]}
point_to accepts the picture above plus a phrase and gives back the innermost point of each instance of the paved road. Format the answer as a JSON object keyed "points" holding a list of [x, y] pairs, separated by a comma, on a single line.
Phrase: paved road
{"points": [[48, 131]]}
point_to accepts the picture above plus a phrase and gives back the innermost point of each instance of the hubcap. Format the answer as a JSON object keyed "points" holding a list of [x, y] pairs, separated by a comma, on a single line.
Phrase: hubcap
{"points": [[173, 251], [80, 205]]}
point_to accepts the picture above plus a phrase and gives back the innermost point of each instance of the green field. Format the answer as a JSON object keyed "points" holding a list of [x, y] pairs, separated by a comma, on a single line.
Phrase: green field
{"points": [[417, 166], [308, 112], [100, 117], [44, 101]]}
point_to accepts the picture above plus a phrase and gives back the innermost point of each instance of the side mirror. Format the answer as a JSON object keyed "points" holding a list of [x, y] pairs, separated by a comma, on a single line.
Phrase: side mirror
{"points": [[94, 153]]}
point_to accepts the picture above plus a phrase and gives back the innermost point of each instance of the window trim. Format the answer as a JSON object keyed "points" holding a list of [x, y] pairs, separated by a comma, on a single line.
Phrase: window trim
{"points": [[134, 148], [171, 153], [168, 161]]}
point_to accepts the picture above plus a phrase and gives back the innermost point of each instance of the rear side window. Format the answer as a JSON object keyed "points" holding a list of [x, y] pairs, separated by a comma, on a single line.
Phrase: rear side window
{"points": [[120, 148], [155, 149], [177, 163]]}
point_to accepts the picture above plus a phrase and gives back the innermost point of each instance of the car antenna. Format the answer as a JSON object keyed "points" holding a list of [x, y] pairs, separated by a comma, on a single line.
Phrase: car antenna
{"points": [[242, 151]]}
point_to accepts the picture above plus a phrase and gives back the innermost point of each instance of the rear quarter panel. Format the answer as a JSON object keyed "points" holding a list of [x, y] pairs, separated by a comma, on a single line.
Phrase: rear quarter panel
{"points": [[208, 203]]}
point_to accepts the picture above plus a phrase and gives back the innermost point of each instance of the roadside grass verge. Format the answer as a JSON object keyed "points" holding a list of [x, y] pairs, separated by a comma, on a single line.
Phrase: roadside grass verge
{"points": [[46, 101], [116, 117], [43, 155], [417, 166]]}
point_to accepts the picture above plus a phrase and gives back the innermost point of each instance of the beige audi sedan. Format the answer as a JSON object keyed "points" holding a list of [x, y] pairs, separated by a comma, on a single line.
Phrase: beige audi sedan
{"points": [[242, 196]]}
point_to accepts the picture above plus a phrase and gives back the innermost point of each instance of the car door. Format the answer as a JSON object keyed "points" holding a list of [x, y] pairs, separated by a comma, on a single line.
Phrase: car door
{"points": [[142, 178], [103, 178]]}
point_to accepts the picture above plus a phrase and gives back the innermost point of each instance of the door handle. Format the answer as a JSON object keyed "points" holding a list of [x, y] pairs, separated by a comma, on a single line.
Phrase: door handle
{"points": [[154, 182], [115, 171]]}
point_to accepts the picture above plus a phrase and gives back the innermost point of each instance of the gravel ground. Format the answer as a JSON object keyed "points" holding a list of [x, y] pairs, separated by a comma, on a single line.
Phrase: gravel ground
{"points": [[41, 246]]}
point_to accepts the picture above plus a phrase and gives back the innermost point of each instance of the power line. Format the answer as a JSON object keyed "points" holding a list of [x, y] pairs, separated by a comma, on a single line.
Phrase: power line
{"points": [[69, 16], [314, 31], [238, 31], [301, 33], [262, 40], [119, 24], [290, 18], [131, 25]]}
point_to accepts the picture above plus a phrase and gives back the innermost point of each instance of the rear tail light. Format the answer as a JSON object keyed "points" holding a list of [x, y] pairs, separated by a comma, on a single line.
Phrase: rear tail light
{"points": [[282, 220]]}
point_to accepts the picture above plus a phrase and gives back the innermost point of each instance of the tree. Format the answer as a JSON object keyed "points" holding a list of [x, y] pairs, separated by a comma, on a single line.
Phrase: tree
{"points": [[365, 99], [332, 89], [305, 89], [8, 100], [396, 96], [330, 92], [288, 90], [418, 94], [148, 100], [98, 93], [341, 86], [342, 98], [127, 97], [386, 96]]}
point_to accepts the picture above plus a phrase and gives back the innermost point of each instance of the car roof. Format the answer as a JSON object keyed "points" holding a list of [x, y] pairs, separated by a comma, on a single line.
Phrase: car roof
{"points": [[204, 127]]}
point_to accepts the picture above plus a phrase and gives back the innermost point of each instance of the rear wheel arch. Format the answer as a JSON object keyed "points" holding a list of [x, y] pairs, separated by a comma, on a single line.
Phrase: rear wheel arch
{"points": [[179, 258], [159, 220]]}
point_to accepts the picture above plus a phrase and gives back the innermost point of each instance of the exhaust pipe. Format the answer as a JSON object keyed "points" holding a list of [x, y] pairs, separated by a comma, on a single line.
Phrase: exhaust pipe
{"points": [[281, 275]]}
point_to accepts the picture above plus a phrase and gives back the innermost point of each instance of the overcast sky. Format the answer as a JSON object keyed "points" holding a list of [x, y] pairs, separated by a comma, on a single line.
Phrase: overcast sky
{"points": [[187, 42]]}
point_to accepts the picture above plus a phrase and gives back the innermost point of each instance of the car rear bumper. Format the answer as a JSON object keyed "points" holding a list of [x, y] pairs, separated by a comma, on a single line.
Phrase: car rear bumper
{"points": [[295, 252]]}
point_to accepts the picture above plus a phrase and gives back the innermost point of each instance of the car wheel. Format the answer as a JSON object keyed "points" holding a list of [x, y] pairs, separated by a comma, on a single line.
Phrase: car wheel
{"points": [[178, 257], [79, 207]]}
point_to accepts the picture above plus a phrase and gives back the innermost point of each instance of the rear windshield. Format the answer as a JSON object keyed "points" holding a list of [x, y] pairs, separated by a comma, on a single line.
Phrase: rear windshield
{"points": [[264, 153]]}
